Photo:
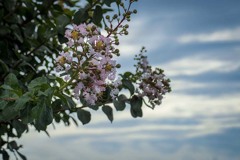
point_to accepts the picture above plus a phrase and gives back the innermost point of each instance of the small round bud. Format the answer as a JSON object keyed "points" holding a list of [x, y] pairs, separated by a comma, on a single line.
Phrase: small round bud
{"points": [[116, 50], [134, 11], [107, 17], [115, 16], [126, 33], [93, 28], [118, 66], [117, 43], [129, 13], [126, 26]]}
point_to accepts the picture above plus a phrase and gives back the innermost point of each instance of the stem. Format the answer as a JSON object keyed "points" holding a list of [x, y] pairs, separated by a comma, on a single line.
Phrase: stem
{"points": [[147, 104], [124, 17]]}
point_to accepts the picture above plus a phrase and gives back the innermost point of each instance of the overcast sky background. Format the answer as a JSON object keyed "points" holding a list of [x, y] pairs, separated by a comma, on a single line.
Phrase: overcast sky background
{"points": [[197, 43]]}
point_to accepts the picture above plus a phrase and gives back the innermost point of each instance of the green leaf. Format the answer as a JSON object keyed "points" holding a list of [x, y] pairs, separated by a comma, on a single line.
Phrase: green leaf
{"points": [[9, 5], [44, 115], [62, 21], [60, 81], [3, 104], [41, 32], [62, 39], [78, 16], [21, 101], [26, 64], [8, 113], [37, 82], [119, 105], [19, 126], [47, 93], [6, 87], [12, 81], [94, 107], [70, 101], [67, 101], [127, 75], [108, 2], [128, 85], [12, 145], [29, 30], [4, 66], [21, 155], [136, 106], [108, 111], [4, 30], [74, 121], [27, 115], [97, 15], [17, 33], [84, 116], [5, 155]]}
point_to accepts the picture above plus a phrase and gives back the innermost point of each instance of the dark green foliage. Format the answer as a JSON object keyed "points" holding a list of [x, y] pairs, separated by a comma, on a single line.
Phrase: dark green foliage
{"points": [[80, 16], [98, 15], [128, 85], [119, 103], [136, 106], [31, 37], [108, 111], [84, 116]]}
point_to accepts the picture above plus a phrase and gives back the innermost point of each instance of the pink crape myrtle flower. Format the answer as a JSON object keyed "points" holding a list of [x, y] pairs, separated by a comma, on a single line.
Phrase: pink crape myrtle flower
{"points": [[91, 63]]}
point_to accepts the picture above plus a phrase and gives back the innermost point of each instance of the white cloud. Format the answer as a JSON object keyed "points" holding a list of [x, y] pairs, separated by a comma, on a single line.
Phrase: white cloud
{"points": [[212, 113], [140, 34], [217, 36], [197, 64]]}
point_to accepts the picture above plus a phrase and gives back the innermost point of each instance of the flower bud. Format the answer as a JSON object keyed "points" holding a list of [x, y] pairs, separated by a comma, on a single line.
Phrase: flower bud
{"points": [[93, 28], [115, 16], [118, 66], [129, 13]]}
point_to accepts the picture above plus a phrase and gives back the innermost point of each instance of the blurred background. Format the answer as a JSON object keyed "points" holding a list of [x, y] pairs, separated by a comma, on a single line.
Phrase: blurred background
{"points": [[197, 43]]}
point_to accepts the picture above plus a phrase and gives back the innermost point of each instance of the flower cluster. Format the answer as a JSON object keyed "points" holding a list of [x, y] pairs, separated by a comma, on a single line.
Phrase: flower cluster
{"points": [[152, 83], [88, 64]]}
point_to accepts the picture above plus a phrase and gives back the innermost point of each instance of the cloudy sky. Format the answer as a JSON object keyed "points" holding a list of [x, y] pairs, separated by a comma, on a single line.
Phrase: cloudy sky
{"points": [[197, 43]]}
